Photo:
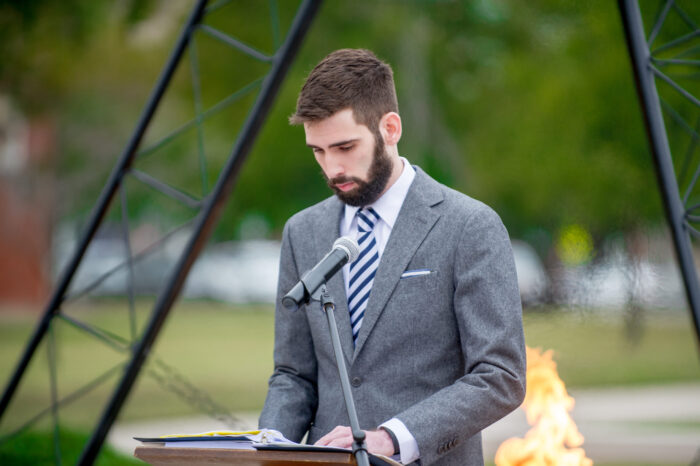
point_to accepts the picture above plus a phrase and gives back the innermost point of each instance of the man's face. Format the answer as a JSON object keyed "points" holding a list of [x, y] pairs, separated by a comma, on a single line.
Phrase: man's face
{"points": [[353, 160]]}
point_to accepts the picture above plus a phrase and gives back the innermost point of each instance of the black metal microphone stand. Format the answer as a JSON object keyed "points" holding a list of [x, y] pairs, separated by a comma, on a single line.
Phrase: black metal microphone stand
{"points": [[359, 449]]}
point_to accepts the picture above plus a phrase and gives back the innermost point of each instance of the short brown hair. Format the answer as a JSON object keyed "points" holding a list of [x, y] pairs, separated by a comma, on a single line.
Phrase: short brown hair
{"points": [[348, 78]]}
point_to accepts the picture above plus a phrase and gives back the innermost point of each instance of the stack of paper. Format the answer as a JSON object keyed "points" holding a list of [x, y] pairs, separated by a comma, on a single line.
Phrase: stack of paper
{"points": [[219, 439]]}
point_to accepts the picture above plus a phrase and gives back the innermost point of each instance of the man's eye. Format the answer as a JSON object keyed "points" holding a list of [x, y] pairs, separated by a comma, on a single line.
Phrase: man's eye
{"points": [[346, 148]]}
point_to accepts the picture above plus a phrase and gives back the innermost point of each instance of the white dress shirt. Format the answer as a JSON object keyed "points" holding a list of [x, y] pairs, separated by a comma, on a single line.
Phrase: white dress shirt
{"points": [[388, 207]]}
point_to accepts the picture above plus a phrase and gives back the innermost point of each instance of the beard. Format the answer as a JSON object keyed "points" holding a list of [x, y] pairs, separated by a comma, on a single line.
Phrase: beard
{"points": [[368, 191]]}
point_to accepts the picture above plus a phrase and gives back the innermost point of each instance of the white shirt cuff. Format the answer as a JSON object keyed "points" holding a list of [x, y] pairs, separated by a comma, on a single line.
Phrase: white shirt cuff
{"points": [[408, 447]]}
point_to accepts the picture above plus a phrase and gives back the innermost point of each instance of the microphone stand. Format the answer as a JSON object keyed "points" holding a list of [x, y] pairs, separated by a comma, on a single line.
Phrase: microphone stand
{"points": [[359, 449]]}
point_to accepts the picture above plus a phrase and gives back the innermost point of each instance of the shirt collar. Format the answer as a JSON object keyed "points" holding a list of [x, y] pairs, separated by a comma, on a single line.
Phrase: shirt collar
{"points": [[389, 205]]}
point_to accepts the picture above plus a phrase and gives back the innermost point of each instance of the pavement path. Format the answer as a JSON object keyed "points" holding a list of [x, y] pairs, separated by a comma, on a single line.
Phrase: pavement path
{"points": [[653, 425]]}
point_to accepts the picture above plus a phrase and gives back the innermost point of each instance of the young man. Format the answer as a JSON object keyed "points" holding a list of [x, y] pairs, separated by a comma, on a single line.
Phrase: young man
{"points": [[429, 316]]}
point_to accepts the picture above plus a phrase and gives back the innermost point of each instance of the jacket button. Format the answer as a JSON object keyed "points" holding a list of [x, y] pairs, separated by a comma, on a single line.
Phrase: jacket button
{"points": [[356, 381]]}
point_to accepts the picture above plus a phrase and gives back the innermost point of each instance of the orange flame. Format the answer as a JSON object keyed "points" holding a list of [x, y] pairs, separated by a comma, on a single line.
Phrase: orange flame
{"points": [[547, 405]]}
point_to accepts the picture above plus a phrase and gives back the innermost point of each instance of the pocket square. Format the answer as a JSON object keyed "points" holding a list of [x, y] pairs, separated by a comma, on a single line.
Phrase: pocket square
{"points": [[415, 273]]}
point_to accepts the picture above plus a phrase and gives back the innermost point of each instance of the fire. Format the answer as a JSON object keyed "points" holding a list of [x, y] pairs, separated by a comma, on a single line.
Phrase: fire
{"points": [[554, 438]]}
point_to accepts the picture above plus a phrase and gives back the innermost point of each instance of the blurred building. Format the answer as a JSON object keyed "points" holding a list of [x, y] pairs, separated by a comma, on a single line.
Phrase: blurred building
{"points": [[26, 197]]}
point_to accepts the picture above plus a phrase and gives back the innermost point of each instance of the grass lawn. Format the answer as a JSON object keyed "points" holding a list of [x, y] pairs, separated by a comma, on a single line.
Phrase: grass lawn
{"points": [[591, 349], [226, 352], [221, 350]]}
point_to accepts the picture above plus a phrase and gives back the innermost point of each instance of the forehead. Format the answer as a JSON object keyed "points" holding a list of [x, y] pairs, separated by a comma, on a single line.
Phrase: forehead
{"points": [[337, 127]]}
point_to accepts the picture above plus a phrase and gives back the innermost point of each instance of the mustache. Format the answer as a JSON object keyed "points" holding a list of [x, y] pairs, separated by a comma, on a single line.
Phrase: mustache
{"points": [[332, 182]]}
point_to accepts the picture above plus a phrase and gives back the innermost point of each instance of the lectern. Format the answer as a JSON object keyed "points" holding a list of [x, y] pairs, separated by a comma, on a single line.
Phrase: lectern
{"points": [[173, 456]]}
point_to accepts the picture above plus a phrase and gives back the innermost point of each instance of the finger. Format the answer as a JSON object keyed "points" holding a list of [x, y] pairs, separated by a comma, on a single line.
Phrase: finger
{"points": [[341, 442], [329, 436], [337, 432]]}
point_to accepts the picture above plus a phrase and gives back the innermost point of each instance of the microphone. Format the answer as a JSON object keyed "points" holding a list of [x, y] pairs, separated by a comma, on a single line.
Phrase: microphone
{"points": [[345, 250]]}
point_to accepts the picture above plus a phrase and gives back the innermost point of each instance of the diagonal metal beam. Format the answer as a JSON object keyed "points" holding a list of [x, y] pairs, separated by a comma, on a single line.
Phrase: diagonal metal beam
{"points": [[233, 42]]}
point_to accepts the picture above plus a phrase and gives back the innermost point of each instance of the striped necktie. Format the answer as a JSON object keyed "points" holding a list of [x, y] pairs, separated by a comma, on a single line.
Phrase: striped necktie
{"points": [[363, 269]]}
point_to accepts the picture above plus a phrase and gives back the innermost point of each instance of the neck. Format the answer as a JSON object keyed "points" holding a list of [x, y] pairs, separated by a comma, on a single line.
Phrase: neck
{"points": [[396, 170]]}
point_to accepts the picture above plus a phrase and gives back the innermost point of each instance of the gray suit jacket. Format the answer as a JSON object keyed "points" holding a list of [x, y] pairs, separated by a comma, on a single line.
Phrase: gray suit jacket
{"points": [[442, 352]]}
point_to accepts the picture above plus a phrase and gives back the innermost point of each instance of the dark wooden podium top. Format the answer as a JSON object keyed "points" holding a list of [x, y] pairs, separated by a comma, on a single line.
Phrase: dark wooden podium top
{"points": [[171, 456]]}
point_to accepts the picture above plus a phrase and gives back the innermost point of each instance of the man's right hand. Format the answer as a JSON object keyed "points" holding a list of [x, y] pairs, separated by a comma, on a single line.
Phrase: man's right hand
{"points": [[378, 441]]}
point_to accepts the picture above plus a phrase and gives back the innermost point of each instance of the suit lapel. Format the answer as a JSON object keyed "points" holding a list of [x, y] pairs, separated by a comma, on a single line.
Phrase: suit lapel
{"points": [[416, 218], [326, 231]]}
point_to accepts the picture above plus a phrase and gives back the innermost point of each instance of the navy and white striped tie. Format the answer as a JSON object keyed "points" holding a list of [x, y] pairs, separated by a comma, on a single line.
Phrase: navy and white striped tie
{"points": [[363, 269]]}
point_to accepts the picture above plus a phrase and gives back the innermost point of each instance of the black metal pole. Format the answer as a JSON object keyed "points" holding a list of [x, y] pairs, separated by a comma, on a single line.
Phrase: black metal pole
{"points": [[101, 206], [205, 221], [661, 151], [359, 449]]}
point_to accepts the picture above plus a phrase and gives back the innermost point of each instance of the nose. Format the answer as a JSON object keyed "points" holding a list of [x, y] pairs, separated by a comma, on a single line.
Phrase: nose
{"points": [[333, 166]]}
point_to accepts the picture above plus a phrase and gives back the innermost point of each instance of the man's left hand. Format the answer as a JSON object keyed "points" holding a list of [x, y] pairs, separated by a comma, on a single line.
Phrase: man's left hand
{"points": [[378, 441]]}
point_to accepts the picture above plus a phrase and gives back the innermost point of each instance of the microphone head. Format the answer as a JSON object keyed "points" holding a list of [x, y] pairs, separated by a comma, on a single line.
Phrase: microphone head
{"points": [[348, 245]]}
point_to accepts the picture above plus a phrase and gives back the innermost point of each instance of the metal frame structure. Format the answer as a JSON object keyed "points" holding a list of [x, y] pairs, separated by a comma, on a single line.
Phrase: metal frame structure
{"points": [[210, 207], [648, 66]]}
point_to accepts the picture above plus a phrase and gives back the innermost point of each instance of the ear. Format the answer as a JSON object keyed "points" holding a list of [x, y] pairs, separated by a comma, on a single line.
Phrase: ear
{"points": [[390, 127]]}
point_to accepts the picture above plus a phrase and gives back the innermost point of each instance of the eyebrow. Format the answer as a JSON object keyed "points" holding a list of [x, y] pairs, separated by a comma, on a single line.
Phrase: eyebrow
{"points": [[336, 144]]}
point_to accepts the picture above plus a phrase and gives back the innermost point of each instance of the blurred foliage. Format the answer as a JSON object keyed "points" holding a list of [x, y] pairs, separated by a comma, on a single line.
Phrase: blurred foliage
{"points": [[528, 106], [42, 44], [37, 447]]}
